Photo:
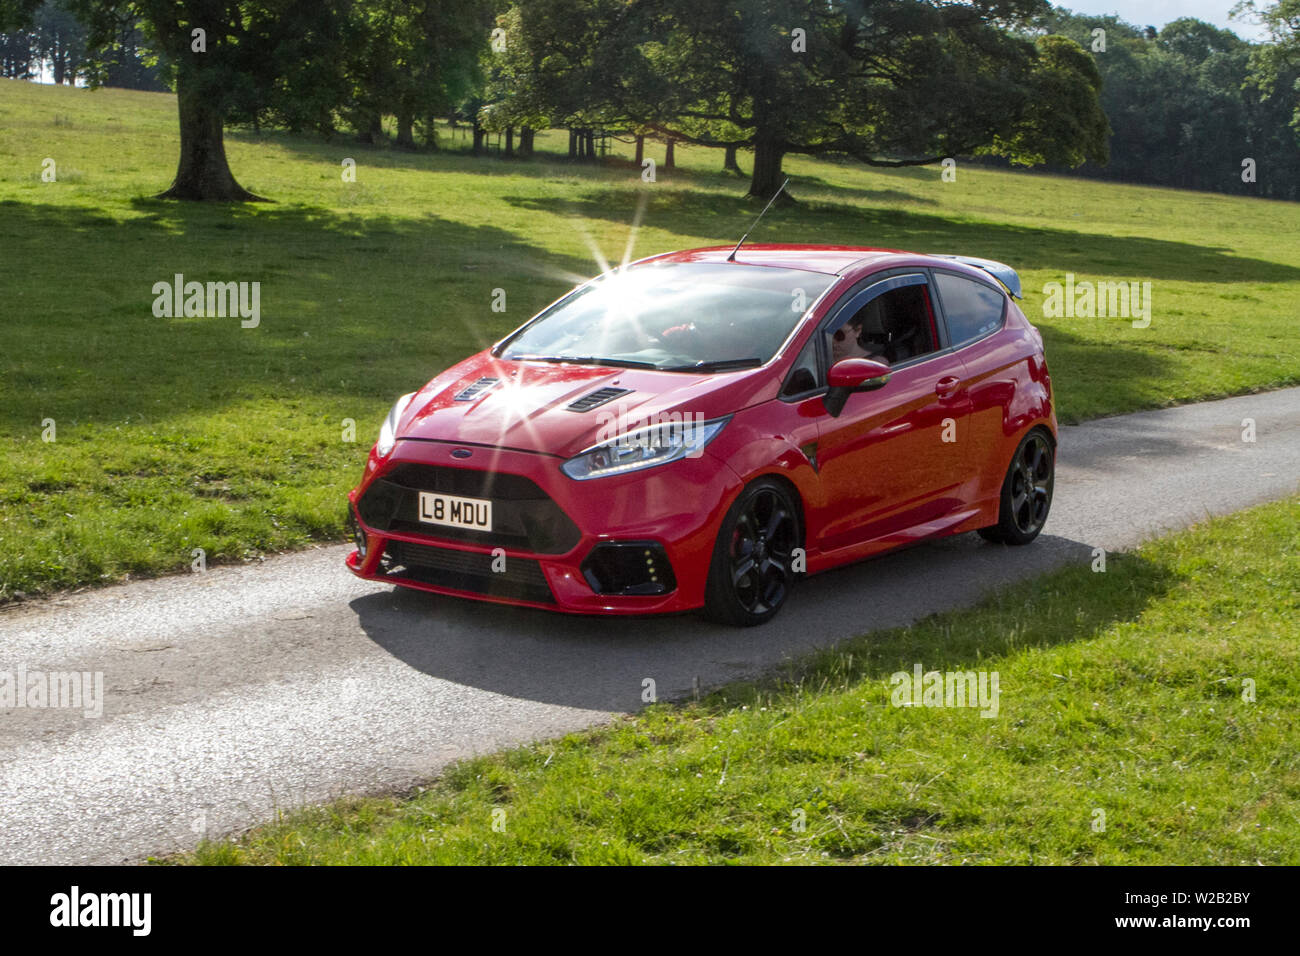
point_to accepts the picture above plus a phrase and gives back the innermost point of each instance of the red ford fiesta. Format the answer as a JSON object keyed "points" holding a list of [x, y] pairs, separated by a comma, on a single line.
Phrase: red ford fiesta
{"points": [[698, 429]]}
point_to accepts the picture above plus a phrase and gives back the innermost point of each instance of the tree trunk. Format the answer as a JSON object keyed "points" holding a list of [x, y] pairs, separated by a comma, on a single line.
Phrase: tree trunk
{"points": [[729, 164], [640, 150], [591, 146], [573, 144], [405, 129], [510, 142], [370, 128], [669, 161], [479, 133], [766, 177], [202, 173], [526, 142]]}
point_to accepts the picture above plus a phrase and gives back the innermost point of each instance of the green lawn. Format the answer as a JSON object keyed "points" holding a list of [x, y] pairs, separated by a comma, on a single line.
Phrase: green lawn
{"points": [[175, 434], [1164, 693]]}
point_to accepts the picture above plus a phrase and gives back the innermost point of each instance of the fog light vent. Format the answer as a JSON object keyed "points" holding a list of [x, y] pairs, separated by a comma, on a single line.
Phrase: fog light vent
{"points": [[629, 567]]}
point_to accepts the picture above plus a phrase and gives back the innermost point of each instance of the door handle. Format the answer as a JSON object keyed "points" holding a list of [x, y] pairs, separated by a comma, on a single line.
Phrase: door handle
{"points": [[946, 385]]}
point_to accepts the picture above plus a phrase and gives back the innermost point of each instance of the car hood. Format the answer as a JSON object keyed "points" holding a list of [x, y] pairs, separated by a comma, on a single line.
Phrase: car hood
{"points": [[528, 407]]}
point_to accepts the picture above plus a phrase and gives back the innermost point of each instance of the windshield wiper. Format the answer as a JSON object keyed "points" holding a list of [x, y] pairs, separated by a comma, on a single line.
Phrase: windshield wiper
{"points": [[722, 365], [582, 360]]}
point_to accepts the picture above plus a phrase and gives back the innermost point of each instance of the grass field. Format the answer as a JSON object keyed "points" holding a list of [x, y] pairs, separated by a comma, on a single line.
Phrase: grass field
{"points": [[1164, 693], [176, 434]]}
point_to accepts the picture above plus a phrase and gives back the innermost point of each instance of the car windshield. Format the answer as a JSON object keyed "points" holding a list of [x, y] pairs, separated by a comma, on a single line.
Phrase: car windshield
{"points": [[677, 316]]}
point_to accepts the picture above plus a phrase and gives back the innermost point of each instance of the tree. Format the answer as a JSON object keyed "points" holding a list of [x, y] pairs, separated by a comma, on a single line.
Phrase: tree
{"points": [[1274, 63], [1062, 123], [557, 64], [442, 50], [126, 63], [414, 60], [227, 60], [895, 83], [1189, 104], [56, 41], [60, 41], [19, 59]]}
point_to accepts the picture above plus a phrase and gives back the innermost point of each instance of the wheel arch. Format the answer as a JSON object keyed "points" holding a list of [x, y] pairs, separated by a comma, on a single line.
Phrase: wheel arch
{"points": [[1045, 429], [790, 486]]}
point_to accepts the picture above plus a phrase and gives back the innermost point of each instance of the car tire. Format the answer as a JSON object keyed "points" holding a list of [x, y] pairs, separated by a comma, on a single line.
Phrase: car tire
{"points": [[1021, 515], [752, 569]]}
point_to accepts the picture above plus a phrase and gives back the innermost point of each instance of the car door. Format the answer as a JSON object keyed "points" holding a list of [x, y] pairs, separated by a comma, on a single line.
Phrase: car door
{"points": [[974, 313], [893, 458]]}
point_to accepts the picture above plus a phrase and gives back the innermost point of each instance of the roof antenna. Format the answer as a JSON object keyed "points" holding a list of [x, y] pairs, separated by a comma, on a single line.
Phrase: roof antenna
{"points": [[780, 189]]}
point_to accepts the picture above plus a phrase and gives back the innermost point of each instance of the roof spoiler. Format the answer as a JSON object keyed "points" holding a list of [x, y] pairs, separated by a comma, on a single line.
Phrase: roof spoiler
{"points": [[1003, 273]]}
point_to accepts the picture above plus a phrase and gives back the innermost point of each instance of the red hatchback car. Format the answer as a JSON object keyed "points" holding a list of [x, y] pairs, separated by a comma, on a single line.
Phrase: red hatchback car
{"points": [[697, 429]]}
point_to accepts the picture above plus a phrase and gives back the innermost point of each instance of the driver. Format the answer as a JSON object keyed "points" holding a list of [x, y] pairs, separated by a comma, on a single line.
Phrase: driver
{"points": [[848, 342]]}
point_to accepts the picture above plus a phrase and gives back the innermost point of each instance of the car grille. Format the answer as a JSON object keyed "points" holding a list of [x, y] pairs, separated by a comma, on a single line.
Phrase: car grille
{"points": [[520, 578], [524, 517]]}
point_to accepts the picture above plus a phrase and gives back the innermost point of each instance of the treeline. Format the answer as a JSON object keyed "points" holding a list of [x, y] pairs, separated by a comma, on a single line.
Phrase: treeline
{"points": [[55, 46], [907, 82], [900, 83], [1190, 103]]}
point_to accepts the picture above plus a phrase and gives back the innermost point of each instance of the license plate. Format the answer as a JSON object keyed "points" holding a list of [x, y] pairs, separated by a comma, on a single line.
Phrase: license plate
{"points": [[456, 511]]}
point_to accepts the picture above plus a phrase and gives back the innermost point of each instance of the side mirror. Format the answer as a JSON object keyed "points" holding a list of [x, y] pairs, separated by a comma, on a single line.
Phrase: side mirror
{"points": [[849, 376]]}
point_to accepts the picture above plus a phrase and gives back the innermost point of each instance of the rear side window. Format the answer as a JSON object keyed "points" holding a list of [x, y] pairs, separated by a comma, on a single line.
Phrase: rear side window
{"points": [[972, 308]]}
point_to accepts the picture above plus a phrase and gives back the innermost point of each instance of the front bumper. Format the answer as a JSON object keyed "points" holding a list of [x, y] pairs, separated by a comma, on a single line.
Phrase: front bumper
{"points": [[557, 543]]}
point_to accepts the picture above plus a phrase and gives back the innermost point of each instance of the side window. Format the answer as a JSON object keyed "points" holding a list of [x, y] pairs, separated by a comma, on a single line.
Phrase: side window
{"points": [[804, 374], [894, 327], [972, 308]]}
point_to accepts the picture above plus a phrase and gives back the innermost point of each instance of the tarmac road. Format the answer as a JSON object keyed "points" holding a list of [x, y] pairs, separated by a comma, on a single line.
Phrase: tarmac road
{"points": [[241, 690]]}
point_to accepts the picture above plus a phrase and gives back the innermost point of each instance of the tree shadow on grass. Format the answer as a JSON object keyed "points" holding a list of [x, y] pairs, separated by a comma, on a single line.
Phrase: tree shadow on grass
{"points": [[1093, 376], [816, 191], [1025, 248], [1068, 605], [929, 172], [350, 306], [544, 163], [548, 164]]}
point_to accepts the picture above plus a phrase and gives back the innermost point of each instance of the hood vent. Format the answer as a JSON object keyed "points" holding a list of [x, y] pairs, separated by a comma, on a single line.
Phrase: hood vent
{"points": [[474, 390], [597, 398]]}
